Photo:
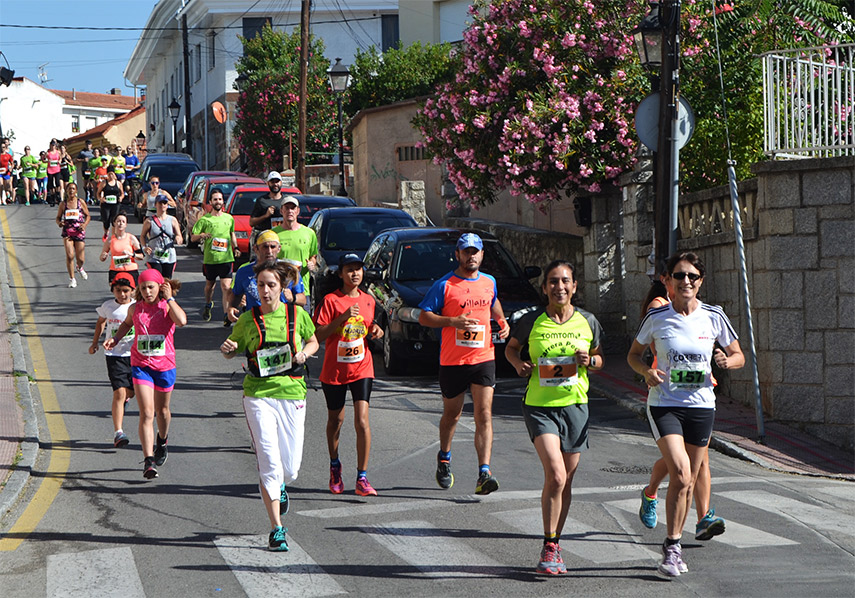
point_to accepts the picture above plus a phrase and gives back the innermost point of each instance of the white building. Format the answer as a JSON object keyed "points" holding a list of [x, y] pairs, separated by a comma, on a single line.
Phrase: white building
{"points": [[433, 21], [213, 27]]}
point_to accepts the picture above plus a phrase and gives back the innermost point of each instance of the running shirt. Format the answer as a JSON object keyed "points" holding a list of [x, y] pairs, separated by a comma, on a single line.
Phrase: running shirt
{"points": [[453, 296], [111, 194], [684, 347], [115, 313], [298, 246], [94, 165], [151, 203], [346, 355], [118, 163], [6, 164], [153, 345], [53, 162], [161, 240], [29, 166], [73, 218], [41, 173], [122, 256], [245, 284], [260, 209], [131, 162], [248, 338], [556, 380], [218, 247]]}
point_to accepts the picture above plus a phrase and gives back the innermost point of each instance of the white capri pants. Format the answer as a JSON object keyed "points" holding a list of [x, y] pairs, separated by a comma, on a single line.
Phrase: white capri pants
{"points": [[277, 427]]}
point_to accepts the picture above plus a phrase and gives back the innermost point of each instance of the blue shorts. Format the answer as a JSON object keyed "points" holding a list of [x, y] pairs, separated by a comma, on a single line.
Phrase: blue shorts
{"points": [[6, 176], [162, 381]]}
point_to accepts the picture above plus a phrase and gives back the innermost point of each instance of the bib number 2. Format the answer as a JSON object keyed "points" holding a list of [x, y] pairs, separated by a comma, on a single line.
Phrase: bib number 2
{"points": [[557, 371]]}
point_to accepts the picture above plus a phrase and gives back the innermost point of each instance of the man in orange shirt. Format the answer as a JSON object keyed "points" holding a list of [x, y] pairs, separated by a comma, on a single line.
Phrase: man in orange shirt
{"points": [[462, 303]]}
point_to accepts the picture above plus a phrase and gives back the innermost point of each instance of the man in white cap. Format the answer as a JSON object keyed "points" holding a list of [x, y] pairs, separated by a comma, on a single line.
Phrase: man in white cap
{"points": [[299, 242], [265, 214]]}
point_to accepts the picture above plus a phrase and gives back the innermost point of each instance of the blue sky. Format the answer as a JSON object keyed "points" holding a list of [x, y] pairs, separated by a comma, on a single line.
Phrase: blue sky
{"points": [[81, 59]]}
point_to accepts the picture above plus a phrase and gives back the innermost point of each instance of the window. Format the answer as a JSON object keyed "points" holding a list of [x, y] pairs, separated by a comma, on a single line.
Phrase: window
{"points": [[252, 26], [198, 64], [389, 31], [406, 153], [212, 58], [75, 123]]}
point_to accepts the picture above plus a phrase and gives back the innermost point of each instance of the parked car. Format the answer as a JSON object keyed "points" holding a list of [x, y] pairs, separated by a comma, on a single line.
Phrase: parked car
{"points": [[240, 204], [190, 182], [199, 203], [347, 230], [400, 267], [172, 169], [309, 204]]}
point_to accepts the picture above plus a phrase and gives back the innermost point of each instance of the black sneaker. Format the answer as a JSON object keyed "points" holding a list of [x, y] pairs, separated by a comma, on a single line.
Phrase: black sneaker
{"points": [[161, 452], [149, 471], [486, 483], [226, 321], [284, 501], [206, 313], [444, 477]]}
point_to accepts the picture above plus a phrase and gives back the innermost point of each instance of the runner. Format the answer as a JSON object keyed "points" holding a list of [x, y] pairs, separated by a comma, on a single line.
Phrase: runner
{"points": [[153, 195], [244, 291], [344, 319], [118, 163], [160, 234], [7, 193], [122, 248], [265, 211], [681, 401], [53, 183], [132, 165], [153, 318], [564, 342], [462, 303], [274, 389], [83, 158], [299, 242], [111, 314], [72, 217], [66, 170], [41, 175], [217, 229], [94, 165], [110, 195], [29, 167]]}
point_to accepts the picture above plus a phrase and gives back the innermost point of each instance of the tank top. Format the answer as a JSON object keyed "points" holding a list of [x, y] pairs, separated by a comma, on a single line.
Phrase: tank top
{"points": [[53, 162], [161, 240], [111, 194], [72, 220], [122, 258], [153, 344]]}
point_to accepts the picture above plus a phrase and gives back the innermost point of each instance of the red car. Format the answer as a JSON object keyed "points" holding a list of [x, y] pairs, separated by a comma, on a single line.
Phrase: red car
{"points": [[240, 205], [199, 202], [191, 182]]}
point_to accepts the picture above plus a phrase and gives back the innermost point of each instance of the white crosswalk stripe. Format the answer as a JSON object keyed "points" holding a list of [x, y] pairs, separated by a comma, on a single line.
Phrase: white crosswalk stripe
{"points": [[97, 573], [262, 573]]}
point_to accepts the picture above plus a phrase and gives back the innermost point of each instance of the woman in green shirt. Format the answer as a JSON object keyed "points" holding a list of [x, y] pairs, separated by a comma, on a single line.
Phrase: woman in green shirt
{"points": [[556, 347], [277, 338]]}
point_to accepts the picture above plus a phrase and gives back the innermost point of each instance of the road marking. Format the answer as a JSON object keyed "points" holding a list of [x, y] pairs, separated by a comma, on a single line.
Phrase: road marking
{"points": [[94, 573], [262, 573], [811, 516], [842, 491], [428, 549], [59, 457]]}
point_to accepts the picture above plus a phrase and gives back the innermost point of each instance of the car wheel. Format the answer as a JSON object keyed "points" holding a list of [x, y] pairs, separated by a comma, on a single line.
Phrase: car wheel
{"points": [[392, 362]]}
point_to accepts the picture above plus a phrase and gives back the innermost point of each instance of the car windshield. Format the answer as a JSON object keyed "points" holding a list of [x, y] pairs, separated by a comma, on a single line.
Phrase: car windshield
{"points": [[174, 172], [226, 188], [307, 210], [356, 231], [244, 202], [431, 259]]}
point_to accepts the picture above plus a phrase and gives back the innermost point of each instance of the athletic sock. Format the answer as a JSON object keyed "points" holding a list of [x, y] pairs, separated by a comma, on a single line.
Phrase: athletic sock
{"points": [[672, 542], [445, 455], [335, 463], [550, 537], [485, 468], [361, 473], [648, 496], [161, 441]]}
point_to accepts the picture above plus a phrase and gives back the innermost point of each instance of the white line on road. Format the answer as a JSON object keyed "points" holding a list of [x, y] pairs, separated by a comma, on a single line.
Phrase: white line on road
{"points": [[94, 574]]}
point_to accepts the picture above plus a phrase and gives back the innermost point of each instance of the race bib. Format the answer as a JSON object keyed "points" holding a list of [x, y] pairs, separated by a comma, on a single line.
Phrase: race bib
{"points": [[161, 254], [111, 199], [473, 336], [72, 214], [218, 244], [151, 345], [274, 360], [120, 261], [688, 376], [114, 327], [557, 371], [350, 351]]}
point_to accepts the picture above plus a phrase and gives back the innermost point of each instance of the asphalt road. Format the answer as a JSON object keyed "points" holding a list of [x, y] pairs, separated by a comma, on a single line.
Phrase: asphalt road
{"points": [[200, 529]]}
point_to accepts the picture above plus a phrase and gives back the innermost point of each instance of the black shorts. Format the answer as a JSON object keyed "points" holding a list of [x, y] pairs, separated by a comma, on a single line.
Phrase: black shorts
{"points": [[694, 424], [134, 273], [53, 181], [214, 271], [165, 269], [569, 423], [455, 379], [360, 390], [119, 372]]}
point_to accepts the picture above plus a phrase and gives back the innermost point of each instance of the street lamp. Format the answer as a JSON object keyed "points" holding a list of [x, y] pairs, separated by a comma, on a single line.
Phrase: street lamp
{"points": [[241, 81], [648, 39], [339, 77], [174, 108]]}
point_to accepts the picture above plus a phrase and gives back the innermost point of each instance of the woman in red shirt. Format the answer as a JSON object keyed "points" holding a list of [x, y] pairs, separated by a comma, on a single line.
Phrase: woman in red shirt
{"points": [[344, 319]]}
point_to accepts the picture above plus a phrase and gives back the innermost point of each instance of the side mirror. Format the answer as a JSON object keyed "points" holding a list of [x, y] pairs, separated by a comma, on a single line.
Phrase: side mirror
{"points": [[532, 271]]}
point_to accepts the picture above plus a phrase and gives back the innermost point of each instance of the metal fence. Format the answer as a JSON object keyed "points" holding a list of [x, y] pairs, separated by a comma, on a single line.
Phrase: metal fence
{"points": [[809, 107]]}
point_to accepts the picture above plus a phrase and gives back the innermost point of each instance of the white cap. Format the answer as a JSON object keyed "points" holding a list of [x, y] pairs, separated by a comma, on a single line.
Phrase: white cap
{"points": [[290, 199], [273, 175]]}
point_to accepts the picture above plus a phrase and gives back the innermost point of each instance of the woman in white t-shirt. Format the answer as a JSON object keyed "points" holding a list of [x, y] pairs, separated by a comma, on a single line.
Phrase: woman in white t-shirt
{"points": [[681, 400]]}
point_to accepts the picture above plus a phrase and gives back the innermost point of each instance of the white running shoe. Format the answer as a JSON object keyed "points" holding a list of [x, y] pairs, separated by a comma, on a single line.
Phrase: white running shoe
{"points": [[72, 282], [83, 274]]}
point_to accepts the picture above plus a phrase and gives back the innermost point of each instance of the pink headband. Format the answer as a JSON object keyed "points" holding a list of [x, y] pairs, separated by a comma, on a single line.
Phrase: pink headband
{"points": [[151, 275]]}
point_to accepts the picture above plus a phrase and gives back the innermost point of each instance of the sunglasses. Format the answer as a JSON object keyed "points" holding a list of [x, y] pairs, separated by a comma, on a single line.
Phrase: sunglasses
{"points": [[155, 182], [684, 275]]}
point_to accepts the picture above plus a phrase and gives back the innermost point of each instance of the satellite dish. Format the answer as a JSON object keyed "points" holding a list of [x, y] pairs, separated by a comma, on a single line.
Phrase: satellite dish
{"points": [[220, 113]]}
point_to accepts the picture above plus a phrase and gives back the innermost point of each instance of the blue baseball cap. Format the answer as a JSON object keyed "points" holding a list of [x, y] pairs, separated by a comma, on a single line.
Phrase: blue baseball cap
{"points": [[467, 240], [349, 258]]}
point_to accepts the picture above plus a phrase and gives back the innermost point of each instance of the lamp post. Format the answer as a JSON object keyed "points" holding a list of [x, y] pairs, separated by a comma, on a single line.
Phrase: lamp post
{"points": [[339, 77], [174, 108]]}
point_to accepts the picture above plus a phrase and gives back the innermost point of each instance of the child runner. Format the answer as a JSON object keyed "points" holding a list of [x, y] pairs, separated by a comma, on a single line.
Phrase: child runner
{"points": [[111, 314], [153, 317], [72, 217], [277, 338], [122, 248], [344, 319]]}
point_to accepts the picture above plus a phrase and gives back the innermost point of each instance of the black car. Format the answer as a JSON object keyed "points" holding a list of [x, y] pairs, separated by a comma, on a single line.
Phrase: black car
{"points": [[347, 230], [309, 204], [172, 169], [400, 267]]}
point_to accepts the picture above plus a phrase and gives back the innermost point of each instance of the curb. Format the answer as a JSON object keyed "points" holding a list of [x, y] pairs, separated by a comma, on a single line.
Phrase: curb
{"points": [[29, 445]]}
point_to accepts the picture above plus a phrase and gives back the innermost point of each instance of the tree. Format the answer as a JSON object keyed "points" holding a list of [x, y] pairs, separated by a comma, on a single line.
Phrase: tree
{"points": [[268, 106]]}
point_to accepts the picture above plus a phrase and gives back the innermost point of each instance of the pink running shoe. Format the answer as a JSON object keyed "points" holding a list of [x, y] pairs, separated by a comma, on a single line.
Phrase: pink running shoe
{"points": [[363, 487], [336, 485]]}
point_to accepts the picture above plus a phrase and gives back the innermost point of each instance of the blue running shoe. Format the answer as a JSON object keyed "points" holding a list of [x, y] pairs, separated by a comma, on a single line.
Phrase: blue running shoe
{"points": [[709, 526], [276, 542], [647, 512]]}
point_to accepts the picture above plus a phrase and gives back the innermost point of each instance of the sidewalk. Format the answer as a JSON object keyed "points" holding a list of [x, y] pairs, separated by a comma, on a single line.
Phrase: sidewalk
{"points": [[786, 448]]}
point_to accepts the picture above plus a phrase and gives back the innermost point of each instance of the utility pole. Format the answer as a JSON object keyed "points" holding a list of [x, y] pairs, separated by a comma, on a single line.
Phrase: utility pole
{"points": [[187, 118], [304, 75]]}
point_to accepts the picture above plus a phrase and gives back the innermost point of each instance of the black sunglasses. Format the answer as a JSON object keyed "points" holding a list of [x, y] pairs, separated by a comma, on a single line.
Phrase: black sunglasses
{"points": [[155, 182], [683, 275]]}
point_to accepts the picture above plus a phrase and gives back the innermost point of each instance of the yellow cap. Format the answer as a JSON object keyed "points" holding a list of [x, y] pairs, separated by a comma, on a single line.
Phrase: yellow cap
{"points": [[267, 236]]}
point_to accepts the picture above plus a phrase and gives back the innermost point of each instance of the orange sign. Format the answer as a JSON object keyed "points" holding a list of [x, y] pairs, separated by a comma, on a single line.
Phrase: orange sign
{"points": [[220, 113]]}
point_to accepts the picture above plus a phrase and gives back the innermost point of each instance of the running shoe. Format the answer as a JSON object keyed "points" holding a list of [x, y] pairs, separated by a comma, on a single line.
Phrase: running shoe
{"points": [[284, 501], [226, 321], [161, 453], [72, 283], [672, 556], [206, 313], [336, 485], [486, 483], [276, 542], [104, 237], [120, 439], [363, 487], [551, 562], [83, 274], [444, 477], [647, 511], [709, 526], [149, 470]]}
